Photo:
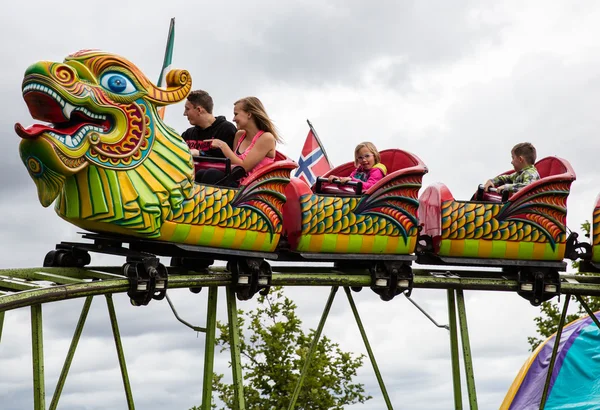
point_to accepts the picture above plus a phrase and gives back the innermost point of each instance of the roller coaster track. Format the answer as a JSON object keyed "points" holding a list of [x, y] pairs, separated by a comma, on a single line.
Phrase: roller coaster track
{"points": [[33, 287]]}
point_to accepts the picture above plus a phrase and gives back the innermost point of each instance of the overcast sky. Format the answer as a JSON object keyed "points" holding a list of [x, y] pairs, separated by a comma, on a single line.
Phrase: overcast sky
{"points": [[457, 83]]}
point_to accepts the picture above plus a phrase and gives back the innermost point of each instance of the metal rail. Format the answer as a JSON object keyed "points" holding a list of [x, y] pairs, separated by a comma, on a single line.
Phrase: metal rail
{"points": [[34, 287], [26, 287]]}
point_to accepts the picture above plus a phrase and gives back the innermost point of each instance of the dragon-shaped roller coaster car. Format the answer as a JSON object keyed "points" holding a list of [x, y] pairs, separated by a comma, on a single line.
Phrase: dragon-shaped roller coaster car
{"points": [[377, 228], [526, 234], [114, 168]]}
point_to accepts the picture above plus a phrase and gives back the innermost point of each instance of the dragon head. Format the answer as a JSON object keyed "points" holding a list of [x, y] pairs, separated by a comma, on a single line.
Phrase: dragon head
{"points": [[99, 110]]}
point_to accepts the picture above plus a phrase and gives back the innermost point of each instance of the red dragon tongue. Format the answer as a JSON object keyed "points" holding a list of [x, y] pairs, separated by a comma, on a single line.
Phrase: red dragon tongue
{"points": [[31, 132]]}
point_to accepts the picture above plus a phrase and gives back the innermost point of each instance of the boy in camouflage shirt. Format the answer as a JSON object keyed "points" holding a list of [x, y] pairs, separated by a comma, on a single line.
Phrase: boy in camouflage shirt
{"points": [[523, 158]]}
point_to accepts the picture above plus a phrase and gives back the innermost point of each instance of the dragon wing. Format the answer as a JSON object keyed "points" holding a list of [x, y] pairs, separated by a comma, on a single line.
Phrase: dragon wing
{"points": [[265, 195], [396, 202], [543, 206]]}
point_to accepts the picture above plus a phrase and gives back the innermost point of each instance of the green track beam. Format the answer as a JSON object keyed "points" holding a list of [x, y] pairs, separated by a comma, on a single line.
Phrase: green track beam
{"points": [[209, 348], [561, 324], [464, 333], [361, 328], [313, 347], [234, 342], [454, 350], [69, 359], [13, 297], [1, 324], [587, 309], [37, 347], [120, 353]]}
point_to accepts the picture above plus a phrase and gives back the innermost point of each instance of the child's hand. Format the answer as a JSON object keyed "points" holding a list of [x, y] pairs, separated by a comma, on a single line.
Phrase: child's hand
{"points": [[194, 152], [501, 188], [345, 179], [488, 184], [332, 178]]}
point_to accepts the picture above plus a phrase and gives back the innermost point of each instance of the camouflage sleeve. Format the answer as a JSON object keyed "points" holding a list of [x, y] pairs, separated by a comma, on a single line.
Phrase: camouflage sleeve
{"points": [[504, 179], [526, 179]]}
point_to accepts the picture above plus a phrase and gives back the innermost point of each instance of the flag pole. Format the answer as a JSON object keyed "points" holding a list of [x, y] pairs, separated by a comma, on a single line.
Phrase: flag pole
{"points": [[319, 141], [166, 62], [168, 53]]}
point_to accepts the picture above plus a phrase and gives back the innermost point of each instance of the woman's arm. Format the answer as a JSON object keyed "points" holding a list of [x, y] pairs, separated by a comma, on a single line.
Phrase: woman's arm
{"points": [[227, 151], [264, 145]]}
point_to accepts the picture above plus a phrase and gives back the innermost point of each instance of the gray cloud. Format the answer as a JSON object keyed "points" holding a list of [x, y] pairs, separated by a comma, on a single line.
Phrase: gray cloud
{"points": [[458, 84]]}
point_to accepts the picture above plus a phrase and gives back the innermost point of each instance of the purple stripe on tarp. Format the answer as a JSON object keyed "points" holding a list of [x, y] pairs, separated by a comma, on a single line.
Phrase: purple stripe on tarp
{"points": [[530, 392]]}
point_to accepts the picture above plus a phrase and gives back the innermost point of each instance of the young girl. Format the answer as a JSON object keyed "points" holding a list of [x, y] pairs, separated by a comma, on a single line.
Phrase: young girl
{"points": [[369, 169]]}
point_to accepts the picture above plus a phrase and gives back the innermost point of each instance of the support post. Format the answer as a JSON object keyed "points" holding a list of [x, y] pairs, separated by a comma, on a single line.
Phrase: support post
{"points": [[561, 324], [1, 324], [588, 310], [454, 350], [209, 348], [234, 342], [37, 347], [120, 354], [313, 347], [69, 359], [368, 347], [464, 333]]}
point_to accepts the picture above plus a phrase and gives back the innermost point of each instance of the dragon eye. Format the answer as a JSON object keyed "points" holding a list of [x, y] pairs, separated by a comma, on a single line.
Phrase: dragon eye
{"points": [[117, 83]]}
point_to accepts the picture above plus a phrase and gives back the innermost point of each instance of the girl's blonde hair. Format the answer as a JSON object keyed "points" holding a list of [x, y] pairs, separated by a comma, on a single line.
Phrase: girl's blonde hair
{"points": [[255, 107], [371, 147]]}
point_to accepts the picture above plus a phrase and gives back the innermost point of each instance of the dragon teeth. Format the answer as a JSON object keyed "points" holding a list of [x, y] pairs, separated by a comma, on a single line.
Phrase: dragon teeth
{"points": [[90, 114], [67, 110]]}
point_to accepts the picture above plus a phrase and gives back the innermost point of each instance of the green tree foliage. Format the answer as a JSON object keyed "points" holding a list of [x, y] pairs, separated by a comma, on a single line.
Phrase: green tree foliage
{"points": [[274, 349], [547, 323]]}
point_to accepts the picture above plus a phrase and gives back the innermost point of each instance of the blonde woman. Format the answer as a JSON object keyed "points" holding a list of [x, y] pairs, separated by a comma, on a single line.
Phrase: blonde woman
{"points": [[255, 141]]}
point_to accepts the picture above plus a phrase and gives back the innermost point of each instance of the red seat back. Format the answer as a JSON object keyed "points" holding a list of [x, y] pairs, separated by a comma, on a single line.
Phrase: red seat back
{"points": [[394, 160], [551, 166]]}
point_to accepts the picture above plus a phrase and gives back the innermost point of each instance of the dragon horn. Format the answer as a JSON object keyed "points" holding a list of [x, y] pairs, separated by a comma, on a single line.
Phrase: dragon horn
{"points": [[179, 84]]}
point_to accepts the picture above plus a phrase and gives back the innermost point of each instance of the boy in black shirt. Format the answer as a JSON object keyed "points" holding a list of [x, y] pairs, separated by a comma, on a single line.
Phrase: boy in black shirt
{"points": [[198, 110]]}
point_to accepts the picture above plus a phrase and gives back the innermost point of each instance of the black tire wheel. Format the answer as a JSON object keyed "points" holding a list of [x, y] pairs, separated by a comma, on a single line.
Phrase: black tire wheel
{"points": [[49, 259]]}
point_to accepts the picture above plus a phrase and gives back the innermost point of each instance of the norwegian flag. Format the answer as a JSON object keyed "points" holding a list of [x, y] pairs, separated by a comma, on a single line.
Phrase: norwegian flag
{"points": [[313, 161]]}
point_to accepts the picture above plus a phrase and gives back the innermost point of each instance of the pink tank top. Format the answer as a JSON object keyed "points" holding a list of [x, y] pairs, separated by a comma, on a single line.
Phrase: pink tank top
{"points": [[264, 162]]}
